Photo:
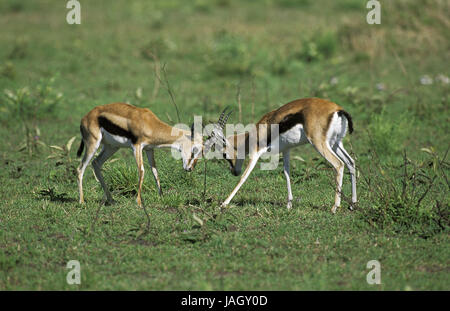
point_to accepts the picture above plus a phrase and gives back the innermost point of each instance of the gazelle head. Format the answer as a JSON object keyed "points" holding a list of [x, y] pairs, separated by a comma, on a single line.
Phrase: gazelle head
{"points": [[218, 141]]}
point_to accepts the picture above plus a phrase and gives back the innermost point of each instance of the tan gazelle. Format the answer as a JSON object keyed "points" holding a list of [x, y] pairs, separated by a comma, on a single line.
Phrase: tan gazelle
{"points": [[319, 122], [122, 125]]}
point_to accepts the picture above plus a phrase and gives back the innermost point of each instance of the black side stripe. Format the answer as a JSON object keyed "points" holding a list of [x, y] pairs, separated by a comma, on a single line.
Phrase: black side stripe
{"points": [[115, 129], [285, 125], [290, 121]]}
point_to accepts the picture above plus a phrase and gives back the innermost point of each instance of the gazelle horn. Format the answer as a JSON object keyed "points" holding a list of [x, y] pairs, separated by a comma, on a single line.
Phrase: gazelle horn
{"points": [[222, 115], [224, 121]]}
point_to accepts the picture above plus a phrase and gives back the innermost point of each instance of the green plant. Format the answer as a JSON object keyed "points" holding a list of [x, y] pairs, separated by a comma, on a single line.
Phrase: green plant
{"points": [[159, 47], [279, 63], [31, 104], [8, 70], [17, 107], [28, 107], [122, 179], [230, 55], [31, 141], [415, 202], [322, 45], [63, 159], [20, 48]]}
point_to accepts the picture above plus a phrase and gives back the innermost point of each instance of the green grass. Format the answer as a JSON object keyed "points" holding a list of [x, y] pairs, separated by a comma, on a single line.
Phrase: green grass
{"points": [[276, 51]]}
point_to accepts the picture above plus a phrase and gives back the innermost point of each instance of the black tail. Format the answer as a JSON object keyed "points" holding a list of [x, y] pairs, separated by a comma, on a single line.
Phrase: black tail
{"points": [[80, 149], [349, 119]]}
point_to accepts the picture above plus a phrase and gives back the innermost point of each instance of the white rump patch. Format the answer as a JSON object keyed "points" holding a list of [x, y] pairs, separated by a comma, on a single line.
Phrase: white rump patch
{"points": [[336, 130]]}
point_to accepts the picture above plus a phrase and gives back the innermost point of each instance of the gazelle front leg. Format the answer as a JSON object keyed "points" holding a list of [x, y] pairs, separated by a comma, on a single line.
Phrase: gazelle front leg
{"points": [[288, 179], [151, 161], [140, 165], [251, 165]]}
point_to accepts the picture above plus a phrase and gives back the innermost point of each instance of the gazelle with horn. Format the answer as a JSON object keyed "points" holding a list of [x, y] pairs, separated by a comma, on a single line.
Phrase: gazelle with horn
{"points": [[319, 122], [122, 125]]}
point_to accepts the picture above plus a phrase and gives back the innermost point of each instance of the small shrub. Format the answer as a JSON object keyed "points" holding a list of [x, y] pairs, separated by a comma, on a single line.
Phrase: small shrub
{"points": [[327, 44], [157, 19], [319, 46], [230, 55], [27, 107], [123, 179], [65, 167], [16, 7], [158, 47], [416, 202], [279, 64], [31, 104], [8, 71], [20, 49]]}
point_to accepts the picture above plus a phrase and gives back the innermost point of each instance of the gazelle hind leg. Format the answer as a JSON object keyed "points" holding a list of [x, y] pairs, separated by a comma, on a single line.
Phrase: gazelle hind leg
{"points": [[325, 150], [251, 165], [151, 161], [350, 163], [98, 162], [91, 147]]}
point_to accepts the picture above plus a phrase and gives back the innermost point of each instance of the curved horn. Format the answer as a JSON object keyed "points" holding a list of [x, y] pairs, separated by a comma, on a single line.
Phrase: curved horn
{"points": [[222, 115], [224, 121], [217, 136]]}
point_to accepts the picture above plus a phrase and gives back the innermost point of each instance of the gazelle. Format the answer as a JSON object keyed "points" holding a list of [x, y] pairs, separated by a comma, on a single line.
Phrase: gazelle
{"points": [[122, 125], [319, 122]]}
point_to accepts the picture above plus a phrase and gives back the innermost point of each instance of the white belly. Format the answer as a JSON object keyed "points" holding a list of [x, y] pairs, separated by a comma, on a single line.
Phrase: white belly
{"points": [[294, 137], [115, 140]]}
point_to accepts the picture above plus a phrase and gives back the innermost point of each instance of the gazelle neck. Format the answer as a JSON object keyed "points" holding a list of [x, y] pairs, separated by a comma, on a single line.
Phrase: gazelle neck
{"points": [[169, 136]]}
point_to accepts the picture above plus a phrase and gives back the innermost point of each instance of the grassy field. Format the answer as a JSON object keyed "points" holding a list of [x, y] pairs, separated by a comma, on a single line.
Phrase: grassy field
{"points": [[391, 78]]}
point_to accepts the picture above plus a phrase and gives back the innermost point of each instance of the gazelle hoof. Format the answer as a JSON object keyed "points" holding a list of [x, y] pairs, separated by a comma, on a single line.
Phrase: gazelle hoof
{"points": [[110, 202], [333, 209], [289, 205]]}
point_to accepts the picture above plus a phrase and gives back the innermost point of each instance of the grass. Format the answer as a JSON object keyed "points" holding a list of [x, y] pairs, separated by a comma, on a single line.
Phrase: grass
{"points": [[274, 51]]}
